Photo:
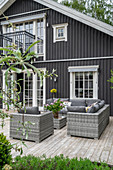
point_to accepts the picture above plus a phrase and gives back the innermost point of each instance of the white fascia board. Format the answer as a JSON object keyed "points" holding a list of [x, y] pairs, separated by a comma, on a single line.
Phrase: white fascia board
{"points": [[5, 5], [23, 19], [72, 13]]}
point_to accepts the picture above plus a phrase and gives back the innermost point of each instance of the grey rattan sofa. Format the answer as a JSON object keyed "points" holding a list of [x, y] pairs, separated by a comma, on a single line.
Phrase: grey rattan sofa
{"points": [[42, 129], [89, 125]]}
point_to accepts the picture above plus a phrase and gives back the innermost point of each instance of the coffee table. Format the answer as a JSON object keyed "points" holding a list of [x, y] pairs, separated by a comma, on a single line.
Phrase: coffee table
{"points": [[60, 122]]}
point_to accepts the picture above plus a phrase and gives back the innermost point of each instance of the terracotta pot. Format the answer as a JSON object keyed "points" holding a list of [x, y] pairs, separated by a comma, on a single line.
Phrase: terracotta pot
{"points": [[55, 115]]}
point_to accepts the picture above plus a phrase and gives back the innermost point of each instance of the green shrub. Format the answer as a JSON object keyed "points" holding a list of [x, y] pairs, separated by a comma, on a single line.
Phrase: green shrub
{"points": [[5, 151], [56, 163]]}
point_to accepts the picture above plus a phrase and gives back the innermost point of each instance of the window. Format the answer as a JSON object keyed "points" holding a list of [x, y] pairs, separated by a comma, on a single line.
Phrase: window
{"points": [[40, 36], [28, 84], [34, 93], [36, 27], [84, 85], [84, 82], [60, 32]]}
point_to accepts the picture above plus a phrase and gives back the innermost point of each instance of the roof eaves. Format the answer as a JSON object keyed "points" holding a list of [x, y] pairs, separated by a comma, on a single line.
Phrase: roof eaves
{"points": [[5, 5], [92, 22]]}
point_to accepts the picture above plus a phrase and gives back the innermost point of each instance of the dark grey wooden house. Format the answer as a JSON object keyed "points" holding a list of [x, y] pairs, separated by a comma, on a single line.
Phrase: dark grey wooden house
{"points": [[79, 47]]}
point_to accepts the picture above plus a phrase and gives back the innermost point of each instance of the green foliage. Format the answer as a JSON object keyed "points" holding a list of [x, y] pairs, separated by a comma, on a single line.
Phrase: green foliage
{"points": [[3, 116], [111, 79], [56, 106], [56, 163], [99, 9], [18, 62], [5, 151]]}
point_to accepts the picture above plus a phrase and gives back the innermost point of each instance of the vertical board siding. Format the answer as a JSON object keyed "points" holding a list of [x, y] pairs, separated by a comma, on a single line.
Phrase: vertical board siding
{"points": [[83, 41], [21, 6], [63, 81]]}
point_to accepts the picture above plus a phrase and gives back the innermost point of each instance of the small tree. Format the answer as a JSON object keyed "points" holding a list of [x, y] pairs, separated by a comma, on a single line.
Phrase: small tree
{"points": [[98, 9]]}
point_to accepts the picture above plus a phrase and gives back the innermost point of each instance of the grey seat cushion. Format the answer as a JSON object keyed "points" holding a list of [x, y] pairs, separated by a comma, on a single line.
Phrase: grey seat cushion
{"points": [[76, 109], [91, 101], [101, 103], [30, 110], [78, 102]]}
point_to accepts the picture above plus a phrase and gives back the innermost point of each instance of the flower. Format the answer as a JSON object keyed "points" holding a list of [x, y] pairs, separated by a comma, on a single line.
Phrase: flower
{"points": [[55, 100], [53, 90], [56, 106]]}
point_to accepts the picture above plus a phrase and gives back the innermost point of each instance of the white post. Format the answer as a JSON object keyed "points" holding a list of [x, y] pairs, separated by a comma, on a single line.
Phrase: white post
{"points": [[34, 90]]}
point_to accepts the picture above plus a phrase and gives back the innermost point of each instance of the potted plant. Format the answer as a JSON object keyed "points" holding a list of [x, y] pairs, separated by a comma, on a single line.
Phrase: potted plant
{"points": [[55, 107], [53, 91]]}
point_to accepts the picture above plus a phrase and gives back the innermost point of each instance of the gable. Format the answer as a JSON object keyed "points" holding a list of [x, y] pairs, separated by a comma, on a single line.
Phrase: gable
{"points": [[101, 26], [22, 6]]}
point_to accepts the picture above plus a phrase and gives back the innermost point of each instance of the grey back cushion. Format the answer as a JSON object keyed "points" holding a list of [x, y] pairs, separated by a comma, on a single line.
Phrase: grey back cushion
{"points": [[30, 110], [101, 103], [78, 102], [93, 109], [64, 99], [96, 107], [91, 101], [76, 109]]}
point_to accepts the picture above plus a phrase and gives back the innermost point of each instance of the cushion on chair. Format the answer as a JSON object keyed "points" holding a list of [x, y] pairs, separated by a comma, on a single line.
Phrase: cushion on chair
{"points": [[101, 104], [64, 99], [76, 109], [78, 102], [90, 109], [96, 107], [91, 101], [30, 110]]}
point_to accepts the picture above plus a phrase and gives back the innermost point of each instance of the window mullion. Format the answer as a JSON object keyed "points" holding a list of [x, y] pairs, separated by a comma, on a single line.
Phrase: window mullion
{"points": [[83, 85]]}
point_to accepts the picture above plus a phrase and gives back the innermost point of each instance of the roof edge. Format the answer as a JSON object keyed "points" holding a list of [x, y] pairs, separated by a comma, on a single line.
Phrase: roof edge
{"points": [[72, 13], [5, 5]]}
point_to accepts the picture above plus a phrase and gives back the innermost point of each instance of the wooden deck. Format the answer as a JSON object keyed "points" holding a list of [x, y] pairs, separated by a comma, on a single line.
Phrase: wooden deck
{"points": [[60, 143]]}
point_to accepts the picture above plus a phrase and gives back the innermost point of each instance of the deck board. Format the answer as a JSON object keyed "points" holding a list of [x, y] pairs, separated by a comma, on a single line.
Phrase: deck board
{"points": [[60, 143]]}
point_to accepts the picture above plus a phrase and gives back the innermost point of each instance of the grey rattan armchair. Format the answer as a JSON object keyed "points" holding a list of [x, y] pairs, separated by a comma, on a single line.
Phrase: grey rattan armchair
{"points": [[42, 129], [88, 124]]}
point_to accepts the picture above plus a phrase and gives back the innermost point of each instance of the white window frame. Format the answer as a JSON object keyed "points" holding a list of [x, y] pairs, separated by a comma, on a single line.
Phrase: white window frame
{"points": [[32, 18], [55, 32], [72, 81]]}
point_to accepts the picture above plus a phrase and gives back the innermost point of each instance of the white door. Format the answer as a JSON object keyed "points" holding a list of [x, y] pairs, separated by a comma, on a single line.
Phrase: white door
{"points": [[34, 93]]}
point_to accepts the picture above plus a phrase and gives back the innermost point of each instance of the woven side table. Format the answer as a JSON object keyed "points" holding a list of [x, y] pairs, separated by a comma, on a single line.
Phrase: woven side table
{"points": [[60, 122]]}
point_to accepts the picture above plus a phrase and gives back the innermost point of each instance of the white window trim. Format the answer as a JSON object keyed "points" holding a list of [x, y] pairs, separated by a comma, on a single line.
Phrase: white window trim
{"points": [[55, 27], [72, 80]]}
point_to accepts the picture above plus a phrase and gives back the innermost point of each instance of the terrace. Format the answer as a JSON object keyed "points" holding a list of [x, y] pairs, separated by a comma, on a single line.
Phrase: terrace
{"points": [[60, 143]]}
